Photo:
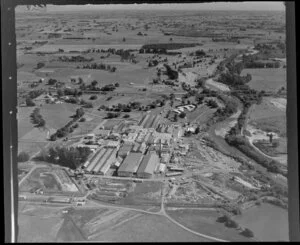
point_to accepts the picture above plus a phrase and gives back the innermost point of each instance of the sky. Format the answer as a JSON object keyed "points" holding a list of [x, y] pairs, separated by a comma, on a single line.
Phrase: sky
{"points": [[252, 6]]}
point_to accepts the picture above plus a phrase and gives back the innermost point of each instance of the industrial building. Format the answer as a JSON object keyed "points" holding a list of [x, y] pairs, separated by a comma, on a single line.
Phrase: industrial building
{"points": [[176, 169], [131, 137], [136, 147], [101, 161], [173, 174], [162, 168], [112, 144], [130, 164], [124, 150], [89, 165], [150, 121], [177, 132], [108, 163], [148, 165], [103, 133]]}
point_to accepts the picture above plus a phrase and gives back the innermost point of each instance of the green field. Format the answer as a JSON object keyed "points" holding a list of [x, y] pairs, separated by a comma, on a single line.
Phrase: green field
{"points": [[269, 117], [58, 115], [268, 222], [149, 228], [205, 222], [267, 79]]}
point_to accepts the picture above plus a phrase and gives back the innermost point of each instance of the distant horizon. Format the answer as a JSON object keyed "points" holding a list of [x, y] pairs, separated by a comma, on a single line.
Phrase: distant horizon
{"points": [[216, 6]]}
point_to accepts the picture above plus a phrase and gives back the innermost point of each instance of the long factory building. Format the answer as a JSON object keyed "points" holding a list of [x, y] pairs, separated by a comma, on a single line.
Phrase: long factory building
{"points": [[101, 161], [150, 121], [130, 164], [148, 165]]}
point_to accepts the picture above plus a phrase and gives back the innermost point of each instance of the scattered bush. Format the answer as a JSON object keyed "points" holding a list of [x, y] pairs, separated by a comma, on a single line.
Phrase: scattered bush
{"points": [[29, 102], [93, 97], [223, 219], [231, 224], [247, 233], [23, 157]]}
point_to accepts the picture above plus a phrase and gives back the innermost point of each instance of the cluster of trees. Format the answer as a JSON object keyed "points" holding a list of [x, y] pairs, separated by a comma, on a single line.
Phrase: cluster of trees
{"points": [[133, 106], [112, 115], [229, 109], [167, 82], [232, 224], [54, 35], [93, 97], [270, 46], [23, 157], [69, 92], [67, 157], [77, 58], [153, 51], [40, 65], [98, 67], [170, 72], [185, 86], [37, 119], [212, 103], [244, 146], [234, 79], [161, 47], [259, 64], [51, 81], [29, 102], [86, 104], [34, 93], [153, 63], [141, 34], [200, 82], [200, 53], [227, 221], [79, 113], [68, 128], [124, 54], [93, 86]]}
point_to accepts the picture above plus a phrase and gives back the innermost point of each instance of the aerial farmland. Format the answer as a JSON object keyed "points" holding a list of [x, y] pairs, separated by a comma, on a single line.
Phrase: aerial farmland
{"points": [[151, 125]]}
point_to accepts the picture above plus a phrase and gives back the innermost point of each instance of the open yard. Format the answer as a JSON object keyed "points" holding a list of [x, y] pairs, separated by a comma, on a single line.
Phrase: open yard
{"points": [[51, 180]]}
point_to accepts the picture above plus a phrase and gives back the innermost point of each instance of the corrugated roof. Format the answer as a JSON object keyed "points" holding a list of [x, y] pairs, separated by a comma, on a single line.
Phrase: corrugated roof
{"points": [[131, 162], [148, 163], [103, 159], [95, 159]]}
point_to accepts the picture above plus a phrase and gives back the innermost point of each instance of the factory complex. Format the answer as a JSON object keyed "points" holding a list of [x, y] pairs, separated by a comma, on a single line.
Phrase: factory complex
{"points": [[127, 149]]}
